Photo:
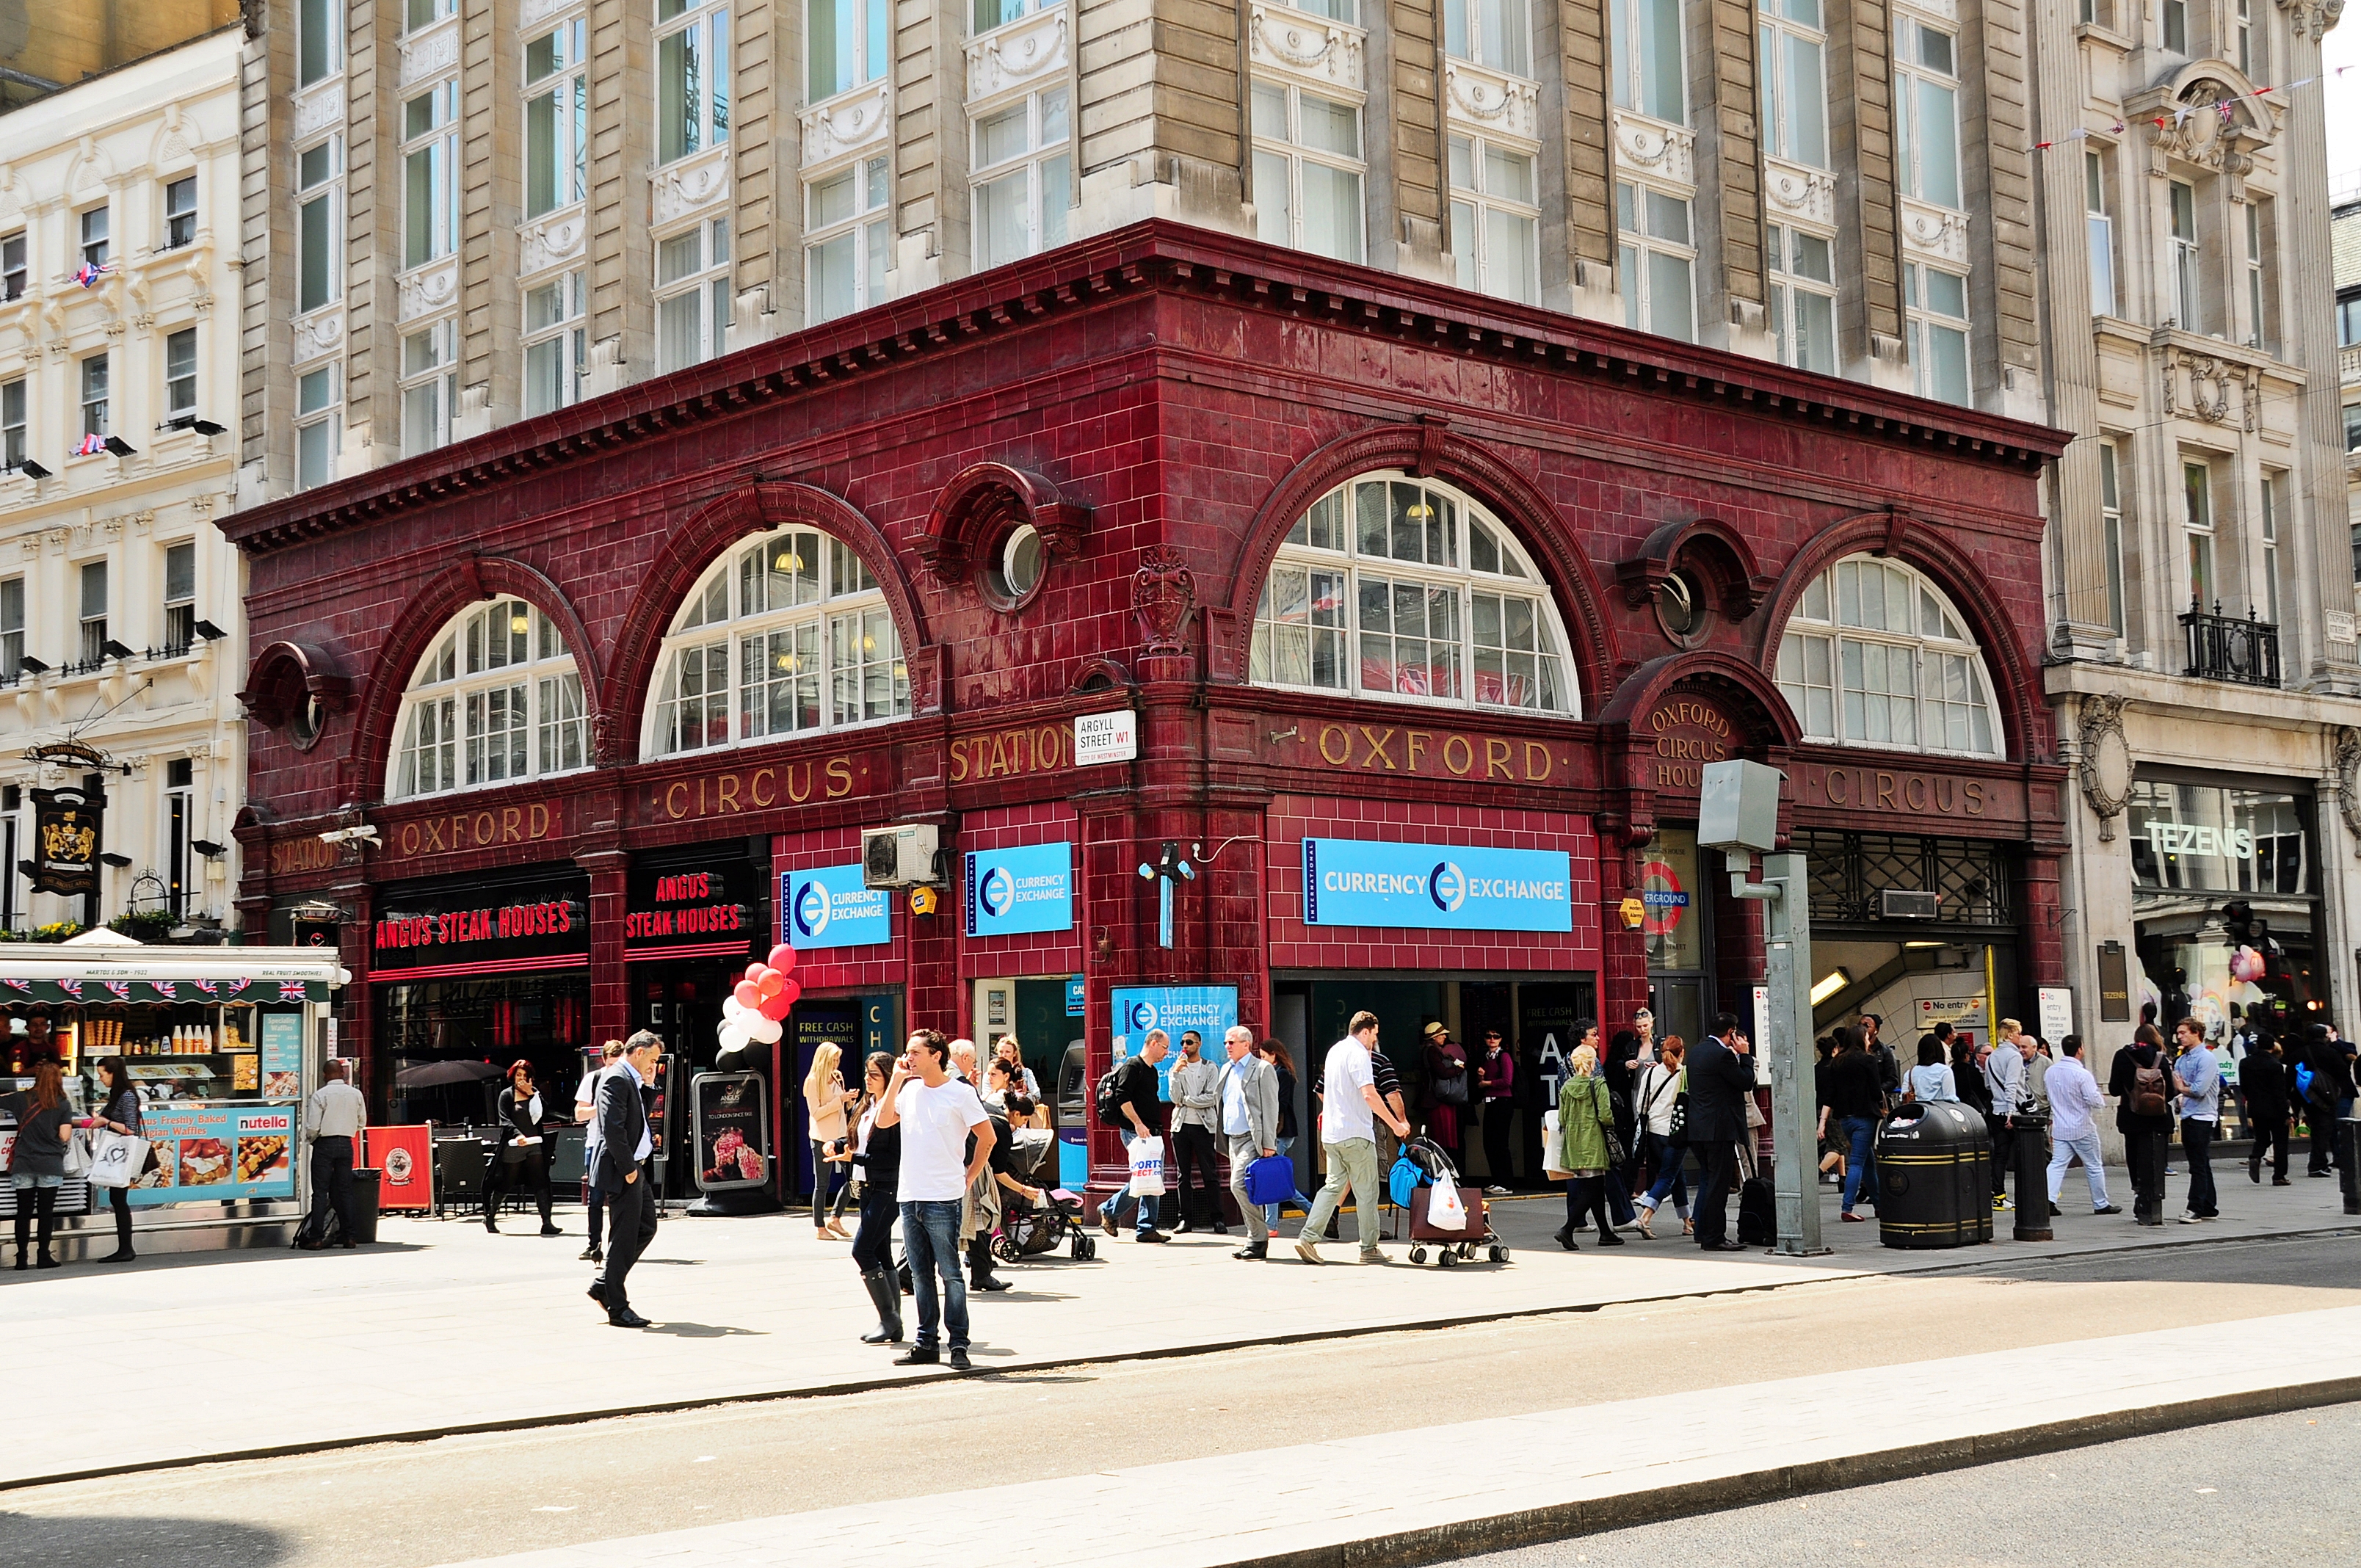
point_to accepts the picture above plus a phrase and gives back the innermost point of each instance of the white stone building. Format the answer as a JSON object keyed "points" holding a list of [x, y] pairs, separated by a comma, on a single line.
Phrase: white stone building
{"points": [[121, 619]]}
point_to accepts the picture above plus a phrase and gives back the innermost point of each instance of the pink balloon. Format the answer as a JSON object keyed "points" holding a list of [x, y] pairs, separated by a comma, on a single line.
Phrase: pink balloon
{"points": [[747, 995], [775, 1008], [783, 958], [771, 983], [755, 970]]}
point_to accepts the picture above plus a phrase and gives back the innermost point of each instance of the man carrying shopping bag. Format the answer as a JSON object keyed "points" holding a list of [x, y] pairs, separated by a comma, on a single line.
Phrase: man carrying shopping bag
{"points": [[1138, 1110]]}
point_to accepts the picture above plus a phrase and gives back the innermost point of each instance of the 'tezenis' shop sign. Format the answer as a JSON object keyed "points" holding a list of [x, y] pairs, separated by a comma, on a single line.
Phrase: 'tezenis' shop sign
{"points": [[463, 931]]}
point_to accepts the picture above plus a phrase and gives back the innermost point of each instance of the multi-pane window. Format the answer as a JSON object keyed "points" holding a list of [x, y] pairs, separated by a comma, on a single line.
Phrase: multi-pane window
{"points": [[97, 236], [319, 39], [181, 374], [2348, 320], [12, 425], [692, 294], [1307, 171], [2197, 533], [430, 385], [786, 634], [1937, 309], [1875, 655], [2111, 528], [1392, 588], [1498, 33], [417, 14], [692, 77], [179, 596], [555, 343], [498, 698], [2102, 234], [2187, 274], [318, 429], [1023, 177], [2254, 42], [181, 213], [1659, 261], [2263, 334], [96, 378], [317, 273], [557, 117], [430, 166], [180, 826], [92, 575], [1791, 52], [2175, 25], [849, 41], [850, 240], [1649, 73], [13, 267], [12, 628], [1926, 112], [1495, 219], [2274, 489], [1802, 298]]}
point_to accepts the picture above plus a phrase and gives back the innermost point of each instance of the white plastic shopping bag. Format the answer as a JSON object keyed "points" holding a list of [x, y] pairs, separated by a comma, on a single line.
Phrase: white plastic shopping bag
{"points": [[1444, 1211], [1148, 1167], [116, 1158]]}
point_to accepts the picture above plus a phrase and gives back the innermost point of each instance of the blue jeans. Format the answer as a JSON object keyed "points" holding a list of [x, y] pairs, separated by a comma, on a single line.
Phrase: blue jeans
{"points": [[1270, 1211], [1146, 1217], [1859, 1133], [930, 1242], [1669, 1157]]}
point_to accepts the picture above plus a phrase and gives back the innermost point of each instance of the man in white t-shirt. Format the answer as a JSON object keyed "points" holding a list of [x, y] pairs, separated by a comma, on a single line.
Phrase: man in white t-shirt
{"points": [[586, 1111], [1349, 1108], [936, 1112]]}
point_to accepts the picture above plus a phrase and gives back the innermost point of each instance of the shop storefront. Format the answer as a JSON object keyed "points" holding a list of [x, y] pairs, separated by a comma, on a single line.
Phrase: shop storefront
{"points": [[2224, 903], [1326, 697]]}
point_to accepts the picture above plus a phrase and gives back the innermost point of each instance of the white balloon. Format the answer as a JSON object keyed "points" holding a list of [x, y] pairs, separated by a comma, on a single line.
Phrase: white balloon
{"points": [[733, 1038], [731, 1008], [761, 1030]]}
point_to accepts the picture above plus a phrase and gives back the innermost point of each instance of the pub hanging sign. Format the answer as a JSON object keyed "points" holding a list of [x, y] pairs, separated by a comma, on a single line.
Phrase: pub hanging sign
{"points": [[68, 827]]}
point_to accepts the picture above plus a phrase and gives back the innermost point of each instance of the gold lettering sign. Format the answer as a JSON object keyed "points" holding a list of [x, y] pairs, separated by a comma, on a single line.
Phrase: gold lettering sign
{"points": [[798, 782], [1428, 753], [1910, 792], [480, 829], [1685, 733], [1009, 753]]}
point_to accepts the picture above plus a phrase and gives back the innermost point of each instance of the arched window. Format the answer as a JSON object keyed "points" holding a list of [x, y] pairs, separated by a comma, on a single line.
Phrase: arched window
{"points": [[1405, 588], [786, 635], [1874, 655], [497, 698]]}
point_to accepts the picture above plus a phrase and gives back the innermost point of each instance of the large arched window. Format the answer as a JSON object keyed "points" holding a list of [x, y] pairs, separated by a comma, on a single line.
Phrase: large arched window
{"points": [[497, 698], [786, 634], [1405, 588], [1874, 655]]}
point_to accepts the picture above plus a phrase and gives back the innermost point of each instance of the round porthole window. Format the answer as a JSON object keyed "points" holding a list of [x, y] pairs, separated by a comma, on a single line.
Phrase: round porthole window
{"points": [[1680, 607], [304, 726], [1016, 571]]}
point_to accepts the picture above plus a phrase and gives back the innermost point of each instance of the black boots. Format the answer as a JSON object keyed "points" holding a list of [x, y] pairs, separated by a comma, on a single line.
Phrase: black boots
{"points": [[122, 1253], [979, 1267], [886, 1293], [45, 1206]]}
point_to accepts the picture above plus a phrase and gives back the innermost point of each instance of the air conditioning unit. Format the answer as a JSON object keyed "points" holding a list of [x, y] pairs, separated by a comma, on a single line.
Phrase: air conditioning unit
{"points": [[1900, 904], [899, 857]]}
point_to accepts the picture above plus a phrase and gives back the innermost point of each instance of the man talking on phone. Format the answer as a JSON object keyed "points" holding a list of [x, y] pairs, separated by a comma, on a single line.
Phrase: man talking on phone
{"points": [[625, 1145], [936, 1112]]}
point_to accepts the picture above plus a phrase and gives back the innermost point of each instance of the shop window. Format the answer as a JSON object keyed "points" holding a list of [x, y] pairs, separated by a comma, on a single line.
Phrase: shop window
{"points": [[789, 634], [498, 698], [1874, 655], [1396, 588]]}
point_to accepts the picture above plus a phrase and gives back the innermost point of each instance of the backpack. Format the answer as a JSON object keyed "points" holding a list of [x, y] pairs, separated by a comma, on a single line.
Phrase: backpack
{"points": [[1758, 1213], [2147, 1092], [1110, 1096]]}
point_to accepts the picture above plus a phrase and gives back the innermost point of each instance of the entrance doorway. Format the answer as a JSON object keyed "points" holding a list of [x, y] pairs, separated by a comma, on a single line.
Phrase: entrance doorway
{"points": [[1678, 926]]}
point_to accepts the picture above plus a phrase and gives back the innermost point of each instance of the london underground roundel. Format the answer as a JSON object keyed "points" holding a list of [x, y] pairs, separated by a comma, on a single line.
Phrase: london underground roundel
{"points": [[1666, 901]]}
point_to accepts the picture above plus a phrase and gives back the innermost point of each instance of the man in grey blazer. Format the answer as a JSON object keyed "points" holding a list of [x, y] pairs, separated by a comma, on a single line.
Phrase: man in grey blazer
{"points": [[1249, 1120]]}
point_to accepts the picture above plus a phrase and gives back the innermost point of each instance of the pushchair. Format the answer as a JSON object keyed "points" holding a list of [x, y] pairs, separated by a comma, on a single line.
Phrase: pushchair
{"points": [[1423, 1167], [1028, 1230]]}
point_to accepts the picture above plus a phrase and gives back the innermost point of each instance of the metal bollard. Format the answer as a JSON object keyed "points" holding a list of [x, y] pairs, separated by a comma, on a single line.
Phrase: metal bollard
{"points": [[2030, 1154], [2348, 1153]]}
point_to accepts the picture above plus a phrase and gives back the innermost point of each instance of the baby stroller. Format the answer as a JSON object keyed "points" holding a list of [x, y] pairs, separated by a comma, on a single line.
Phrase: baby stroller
{"points": [[1028, 1230], [1428, 1167]]}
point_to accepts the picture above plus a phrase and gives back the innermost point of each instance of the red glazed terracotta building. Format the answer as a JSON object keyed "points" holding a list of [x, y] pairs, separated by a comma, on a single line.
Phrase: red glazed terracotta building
{"points": [[1448, 598]]}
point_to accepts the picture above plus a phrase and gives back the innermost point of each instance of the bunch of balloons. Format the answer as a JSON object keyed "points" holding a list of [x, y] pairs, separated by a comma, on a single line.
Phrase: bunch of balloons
{"points": [[757, 1005], [2246, 965]]}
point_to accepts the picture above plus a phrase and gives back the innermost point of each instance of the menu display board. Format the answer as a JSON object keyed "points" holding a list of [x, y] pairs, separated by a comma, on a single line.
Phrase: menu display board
{"points": [[282, 1055], [732, 1130], [208, 1154]]}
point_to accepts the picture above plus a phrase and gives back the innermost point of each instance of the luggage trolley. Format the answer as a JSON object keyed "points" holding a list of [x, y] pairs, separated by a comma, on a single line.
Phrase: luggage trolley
{"points": [[1450, 1246]]}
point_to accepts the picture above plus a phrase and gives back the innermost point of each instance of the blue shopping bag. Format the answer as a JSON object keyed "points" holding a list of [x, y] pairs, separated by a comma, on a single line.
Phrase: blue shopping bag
{"points": [[1270, 1179]]}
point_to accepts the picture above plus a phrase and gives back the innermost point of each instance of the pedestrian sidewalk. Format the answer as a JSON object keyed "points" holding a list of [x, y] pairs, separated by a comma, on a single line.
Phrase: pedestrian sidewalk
{"points": [[1415, 1495], [445, 1329]]}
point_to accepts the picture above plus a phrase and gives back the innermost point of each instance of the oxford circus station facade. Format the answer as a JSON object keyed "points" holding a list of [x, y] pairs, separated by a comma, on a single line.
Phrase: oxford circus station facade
{"points": [[1441, 602]]}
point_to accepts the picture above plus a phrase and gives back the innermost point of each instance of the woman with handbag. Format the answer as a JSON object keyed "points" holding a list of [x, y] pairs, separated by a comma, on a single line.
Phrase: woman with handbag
{"points": [[522, 1147], [825, 1100], [1660, 1109], [1446, 1088], [37, 1163], [877, 1160], [121, 1115], [1586, 1151]]}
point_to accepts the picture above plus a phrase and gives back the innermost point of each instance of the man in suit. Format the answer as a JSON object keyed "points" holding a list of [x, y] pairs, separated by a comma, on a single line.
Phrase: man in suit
{"points": [[1721, 1074], [1246, 1111], [625, 1145]]}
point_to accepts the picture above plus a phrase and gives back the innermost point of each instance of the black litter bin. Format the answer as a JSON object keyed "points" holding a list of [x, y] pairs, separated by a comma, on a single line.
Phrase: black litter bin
{"points": [[365, 1194], [1934, 1178]]}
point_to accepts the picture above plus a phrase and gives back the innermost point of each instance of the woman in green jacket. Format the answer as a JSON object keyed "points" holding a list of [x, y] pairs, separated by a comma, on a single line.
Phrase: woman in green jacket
{"points": [[1586, 1116]]}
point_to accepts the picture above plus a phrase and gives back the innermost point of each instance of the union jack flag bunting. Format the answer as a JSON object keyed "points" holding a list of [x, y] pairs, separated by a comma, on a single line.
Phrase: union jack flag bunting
{"points": [[291, 990], [90, 447], [208, 989], [88, 275], [23, 985], [165, 990], [119, 988], [236, 986], [72, 988]]}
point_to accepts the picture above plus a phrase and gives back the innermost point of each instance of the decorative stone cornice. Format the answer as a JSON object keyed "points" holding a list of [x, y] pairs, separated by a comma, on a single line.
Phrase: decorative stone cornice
{"points": [[1652, 147], [848, 123], [1313, 50], [1492, 101], [1035, 48]]}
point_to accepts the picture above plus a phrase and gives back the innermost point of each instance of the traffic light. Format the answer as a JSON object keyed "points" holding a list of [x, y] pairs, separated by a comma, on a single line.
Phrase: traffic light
{"points": [[2238, 921]]}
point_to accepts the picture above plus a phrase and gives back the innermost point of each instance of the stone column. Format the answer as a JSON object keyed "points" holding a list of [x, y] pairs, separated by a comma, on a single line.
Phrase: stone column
{"points": [[610, 992]]}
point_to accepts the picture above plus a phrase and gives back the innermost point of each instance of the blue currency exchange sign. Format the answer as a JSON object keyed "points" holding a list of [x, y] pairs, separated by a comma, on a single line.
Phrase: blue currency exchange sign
{"points": [[1208, 1009], [1447, 887], [827, 907], [1028, 888]]}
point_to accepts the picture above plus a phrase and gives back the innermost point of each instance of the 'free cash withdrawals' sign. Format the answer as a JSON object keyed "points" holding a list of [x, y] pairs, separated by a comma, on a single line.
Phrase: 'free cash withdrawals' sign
{"points": [[1449, 887]]}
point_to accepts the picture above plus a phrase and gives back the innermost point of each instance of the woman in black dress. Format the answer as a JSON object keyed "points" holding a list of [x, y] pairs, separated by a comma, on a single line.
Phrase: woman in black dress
{"points": [[523, 1156]]}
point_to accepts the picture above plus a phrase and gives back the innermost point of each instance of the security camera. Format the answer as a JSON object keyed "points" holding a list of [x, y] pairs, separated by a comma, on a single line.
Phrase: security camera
{"points": [[365, 834]]}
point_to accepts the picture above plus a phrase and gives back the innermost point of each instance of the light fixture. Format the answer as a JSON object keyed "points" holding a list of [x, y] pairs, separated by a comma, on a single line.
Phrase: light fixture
{"points": [[789, 663], [789, 563], [119, 447], [1421, 511], [33, 470], [112, 859], [208, 849], [1829, 984], [34, 665], [113, 650], [520, 622], [1926, 944], [209, 631], [868, 644]]}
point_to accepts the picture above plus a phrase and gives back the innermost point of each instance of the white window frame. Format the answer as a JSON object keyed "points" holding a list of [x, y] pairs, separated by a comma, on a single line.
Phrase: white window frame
{"points": [[2102, 232], [1041, 174], [13, 431], [556, 118], [1646, 258], [179, 217], [2186, 260], [417, 14], [1930, 323], [319, 189], [92, 609], [697, 32], [430, 170], [1282, 158], [180, 381], [1925, 110], [554, 342], [709, 280], [1495, 34], [14, 264], [1641, 38], [319, 415], [2172, 25], [178, 599], [862, 34], [1322, 556], [319, 40], [95, 229], [1804, 331], [1495, 235], [2272, 489], [801, 606], [1795, 114], [861, 240], [479, 699], [96, 392], [12, 628], [2201, 563], [2263, 330], [429, 374], [2110, 534], [1837, 664]]}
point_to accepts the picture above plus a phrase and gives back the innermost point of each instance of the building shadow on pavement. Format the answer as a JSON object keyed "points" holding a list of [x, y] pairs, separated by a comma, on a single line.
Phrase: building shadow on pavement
{"points": [[29, 1538], [2324, 1260]]}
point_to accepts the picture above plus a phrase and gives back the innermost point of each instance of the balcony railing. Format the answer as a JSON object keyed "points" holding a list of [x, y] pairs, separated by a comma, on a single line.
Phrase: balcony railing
{"points": [[2225, 648]]}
